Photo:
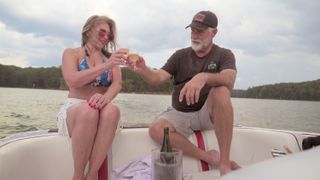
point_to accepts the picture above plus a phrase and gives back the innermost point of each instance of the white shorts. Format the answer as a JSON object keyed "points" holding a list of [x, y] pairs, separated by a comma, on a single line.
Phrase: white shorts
{"points": [[187, 122], [62, 115]]}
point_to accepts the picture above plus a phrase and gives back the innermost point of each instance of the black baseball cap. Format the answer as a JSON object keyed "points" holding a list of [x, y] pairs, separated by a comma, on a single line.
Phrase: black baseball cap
{"points": [[204, 19]]}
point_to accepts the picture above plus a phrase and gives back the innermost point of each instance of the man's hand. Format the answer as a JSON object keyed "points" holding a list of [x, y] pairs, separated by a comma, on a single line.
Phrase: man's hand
{"points": [[191, 90], [137, 66]]}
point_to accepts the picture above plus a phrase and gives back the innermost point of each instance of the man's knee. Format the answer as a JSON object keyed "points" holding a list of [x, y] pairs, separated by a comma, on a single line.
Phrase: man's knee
{"points": [[219, 97], [220, 92], [156, 129]]}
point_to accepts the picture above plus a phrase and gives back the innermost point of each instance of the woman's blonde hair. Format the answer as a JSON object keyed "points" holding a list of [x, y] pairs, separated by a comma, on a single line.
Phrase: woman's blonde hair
{"points": [[91, 23]]}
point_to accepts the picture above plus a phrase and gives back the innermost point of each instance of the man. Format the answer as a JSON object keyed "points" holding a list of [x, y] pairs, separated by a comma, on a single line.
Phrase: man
{"points": [[203, 75]]}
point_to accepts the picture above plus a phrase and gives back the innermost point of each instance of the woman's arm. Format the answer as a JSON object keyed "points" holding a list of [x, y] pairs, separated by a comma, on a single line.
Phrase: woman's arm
{"points": [[116, 84], [98, 101]]}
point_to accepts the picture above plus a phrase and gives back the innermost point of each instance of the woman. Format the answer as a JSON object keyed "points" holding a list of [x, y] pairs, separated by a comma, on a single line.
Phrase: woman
{"points": [[88, 116]]}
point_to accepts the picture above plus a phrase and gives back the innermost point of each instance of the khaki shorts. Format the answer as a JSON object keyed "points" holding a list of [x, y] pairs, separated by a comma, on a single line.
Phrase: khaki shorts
{"points": [[186, 122]]}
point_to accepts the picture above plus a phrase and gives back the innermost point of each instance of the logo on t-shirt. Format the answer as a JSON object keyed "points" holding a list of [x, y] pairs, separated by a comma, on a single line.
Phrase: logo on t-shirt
{"points": [[212, 66]]}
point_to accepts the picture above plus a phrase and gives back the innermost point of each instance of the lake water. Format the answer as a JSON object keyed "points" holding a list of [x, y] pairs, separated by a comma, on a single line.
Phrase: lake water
{"points": [[33, 109]]}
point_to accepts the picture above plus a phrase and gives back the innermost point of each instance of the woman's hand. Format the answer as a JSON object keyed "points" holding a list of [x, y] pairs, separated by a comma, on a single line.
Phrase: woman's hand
{"points": [[98, 101], [117, 58]]}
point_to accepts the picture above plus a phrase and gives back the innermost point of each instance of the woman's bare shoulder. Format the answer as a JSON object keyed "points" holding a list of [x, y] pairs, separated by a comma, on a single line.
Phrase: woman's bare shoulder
{"points": [[77, 50], [74, 53]]}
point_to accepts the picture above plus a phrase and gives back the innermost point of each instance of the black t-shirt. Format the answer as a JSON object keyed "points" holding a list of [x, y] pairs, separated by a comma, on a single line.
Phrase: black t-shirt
{"points": [[184, 64]]}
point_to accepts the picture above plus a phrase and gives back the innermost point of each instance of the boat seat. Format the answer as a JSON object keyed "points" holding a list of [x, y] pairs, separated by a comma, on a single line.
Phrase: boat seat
{"points": [[49, 157], [249, 146], [252, 145], [297, 166], [39, 158]]}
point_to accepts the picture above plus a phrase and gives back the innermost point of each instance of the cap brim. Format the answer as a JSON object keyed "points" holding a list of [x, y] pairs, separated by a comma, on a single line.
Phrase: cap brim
{"points": [[197, 26]]}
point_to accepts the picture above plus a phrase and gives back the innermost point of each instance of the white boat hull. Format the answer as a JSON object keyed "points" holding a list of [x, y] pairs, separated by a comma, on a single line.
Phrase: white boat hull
{"points": [[47, 156]]}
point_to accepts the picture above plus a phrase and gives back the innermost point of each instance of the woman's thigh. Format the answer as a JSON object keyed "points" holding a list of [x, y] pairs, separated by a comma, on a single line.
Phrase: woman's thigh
{"points": [[81, 114]]}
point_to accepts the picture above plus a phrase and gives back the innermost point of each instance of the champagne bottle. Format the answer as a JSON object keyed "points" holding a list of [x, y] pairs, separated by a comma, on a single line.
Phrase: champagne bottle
{"points": [[166, 148]]}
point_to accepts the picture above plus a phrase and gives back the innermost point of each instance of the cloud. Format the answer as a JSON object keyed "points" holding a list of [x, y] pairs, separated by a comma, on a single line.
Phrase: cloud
{"points": [[14, 60], [31, 49], [276, 68], [274, 41]]}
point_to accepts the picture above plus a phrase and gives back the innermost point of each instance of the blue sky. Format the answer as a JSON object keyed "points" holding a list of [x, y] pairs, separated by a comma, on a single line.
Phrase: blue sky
{"points": [[274, 41]]}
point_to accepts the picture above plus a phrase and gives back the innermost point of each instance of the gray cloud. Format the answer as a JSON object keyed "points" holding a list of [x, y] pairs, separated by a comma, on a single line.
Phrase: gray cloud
{"points": [[274, 41], [37, 26]]}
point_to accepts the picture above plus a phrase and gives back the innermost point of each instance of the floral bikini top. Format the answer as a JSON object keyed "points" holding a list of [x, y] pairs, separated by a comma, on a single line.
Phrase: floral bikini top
{"points": [[105, 79]]}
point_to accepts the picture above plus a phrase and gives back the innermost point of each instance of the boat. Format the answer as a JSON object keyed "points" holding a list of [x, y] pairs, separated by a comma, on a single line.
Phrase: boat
{"points": [[269, 153]]}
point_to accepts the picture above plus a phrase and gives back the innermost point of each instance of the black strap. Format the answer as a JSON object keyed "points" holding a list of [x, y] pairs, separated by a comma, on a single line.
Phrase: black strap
{"points": [[310, 142]]}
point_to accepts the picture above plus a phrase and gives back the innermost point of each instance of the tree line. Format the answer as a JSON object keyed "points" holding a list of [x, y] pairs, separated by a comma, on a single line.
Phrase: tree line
{"points": [[51, 78], [308, 90]]}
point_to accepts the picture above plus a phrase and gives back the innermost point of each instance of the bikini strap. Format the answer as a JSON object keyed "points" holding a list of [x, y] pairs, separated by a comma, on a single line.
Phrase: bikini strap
{"points": [[86, 50]]}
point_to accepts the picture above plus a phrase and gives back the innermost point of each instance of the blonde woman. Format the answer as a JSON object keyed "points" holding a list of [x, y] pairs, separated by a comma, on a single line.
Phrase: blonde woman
{"points": [[88, 115]]}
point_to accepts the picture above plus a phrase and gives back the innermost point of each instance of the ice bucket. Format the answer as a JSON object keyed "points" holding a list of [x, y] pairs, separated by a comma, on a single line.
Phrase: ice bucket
{"points": [[166, 165]]}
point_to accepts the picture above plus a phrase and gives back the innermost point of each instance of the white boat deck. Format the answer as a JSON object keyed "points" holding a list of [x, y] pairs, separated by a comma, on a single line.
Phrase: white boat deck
{"points": [[49, 157]]}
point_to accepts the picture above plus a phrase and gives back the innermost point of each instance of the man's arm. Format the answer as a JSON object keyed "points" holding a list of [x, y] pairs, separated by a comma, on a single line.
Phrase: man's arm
{"points": [[153, 76], [191, 90], [226, 78]]}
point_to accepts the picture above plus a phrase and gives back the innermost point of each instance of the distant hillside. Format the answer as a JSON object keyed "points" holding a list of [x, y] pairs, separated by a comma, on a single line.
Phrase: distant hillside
{"points": [[43, 78], [51, 78], [132, 82], [309, 90]]}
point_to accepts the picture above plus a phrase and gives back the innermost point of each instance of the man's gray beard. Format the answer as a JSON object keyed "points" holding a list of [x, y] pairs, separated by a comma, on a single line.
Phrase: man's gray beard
{"points": [[196, 46], [199, 45]]}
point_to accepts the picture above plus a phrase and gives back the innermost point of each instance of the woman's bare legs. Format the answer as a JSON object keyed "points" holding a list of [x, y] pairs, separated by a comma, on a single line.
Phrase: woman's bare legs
{"points": [[108, 122], [82, 124]]}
